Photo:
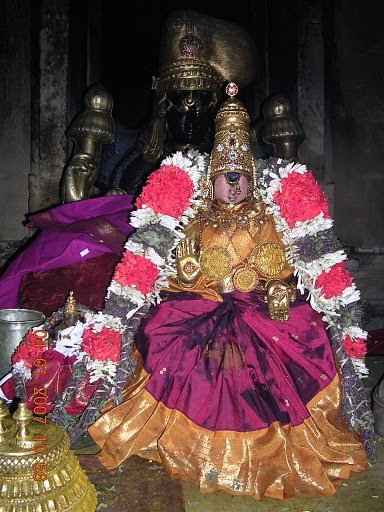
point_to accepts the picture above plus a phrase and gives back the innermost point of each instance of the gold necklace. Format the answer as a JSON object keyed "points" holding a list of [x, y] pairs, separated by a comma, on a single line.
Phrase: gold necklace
{"points": [[216, 261]]}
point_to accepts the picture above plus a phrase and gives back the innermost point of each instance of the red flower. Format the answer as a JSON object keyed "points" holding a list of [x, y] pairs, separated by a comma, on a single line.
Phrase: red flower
{"points": [[27, 352], [334, 281], [300, 198], [136, 270], [355, 348], [102, 345], [168, 191]]}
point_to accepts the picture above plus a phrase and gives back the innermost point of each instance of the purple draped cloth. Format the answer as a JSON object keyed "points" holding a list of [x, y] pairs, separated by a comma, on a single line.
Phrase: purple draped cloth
{"points": [[233, 400], [70, 233], [228, 366]]}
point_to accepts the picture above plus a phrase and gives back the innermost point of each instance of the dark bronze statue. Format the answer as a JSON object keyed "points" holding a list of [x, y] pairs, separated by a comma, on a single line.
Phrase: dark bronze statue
{"points": [[198, 55], [93, 127], [282, 129]]}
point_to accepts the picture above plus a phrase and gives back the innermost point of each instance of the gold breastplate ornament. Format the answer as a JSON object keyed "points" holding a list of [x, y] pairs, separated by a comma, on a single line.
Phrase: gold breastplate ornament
{"points": [[269, 259], [38, 472], [245, 279], [223, 258], [215, 263]]}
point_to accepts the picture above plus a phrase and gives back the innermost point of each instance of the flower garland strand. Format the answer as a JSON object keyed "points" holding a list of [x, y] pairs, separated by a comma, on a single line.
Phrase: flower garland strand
{"points": [[319, 263]]}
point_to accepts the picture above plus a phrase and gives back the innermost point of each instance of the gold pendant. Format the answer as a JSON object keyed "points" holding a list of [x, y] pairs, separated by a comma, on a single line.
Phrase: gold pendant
{"points": [[245, 279], [269, 259], [215, 263]]}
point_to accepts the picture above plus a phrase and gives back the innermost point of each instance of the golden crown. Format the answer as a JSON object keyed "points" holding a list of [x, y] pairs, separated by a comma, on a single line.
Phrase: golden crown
{"points": [[231, 149], [38, 471]]}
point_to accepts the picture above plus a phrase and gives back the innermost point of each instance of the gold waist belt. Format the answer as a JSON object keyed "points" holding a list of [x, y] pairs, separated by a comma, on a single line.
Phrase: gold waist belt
{"points": [[227, 285]]}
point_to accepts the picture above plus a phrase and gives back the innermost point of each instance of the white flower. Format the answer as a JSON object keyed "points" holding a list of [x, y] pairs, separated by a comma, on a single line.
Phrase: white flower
{"points": [[69, 340], [100, 319], [360, 368], [105, 370], [179, 160], [24, 371], [311, 226], [167, 221], [147, 252], [324, 263], [127, 292], [41, 330], [355, 332], [143, 216]]}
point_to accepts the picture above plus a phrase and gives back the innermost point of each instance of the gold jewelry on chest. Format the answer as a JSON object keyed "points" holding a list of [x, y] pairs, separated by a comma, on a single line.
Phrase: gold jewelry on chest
{"points": [[216, 261]]}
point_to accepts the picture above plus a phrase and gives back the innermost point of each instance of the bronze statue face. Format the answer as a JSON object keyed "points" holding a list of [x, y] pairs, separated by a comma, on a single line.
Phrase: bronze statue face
{"points": [[189, 116]]}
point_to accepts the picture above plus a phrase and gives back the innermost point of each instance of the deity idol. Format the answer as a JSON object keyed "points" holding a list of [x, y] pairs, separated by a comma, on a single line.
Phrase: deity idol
{"points": [[236, 386]]}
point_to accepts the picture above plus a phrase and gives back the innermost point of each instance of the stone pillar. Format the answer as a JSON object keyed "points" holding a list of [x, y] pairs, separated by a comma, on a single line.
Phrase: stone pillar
{"points": [[15, 99], [49, 102], [310, 86]]}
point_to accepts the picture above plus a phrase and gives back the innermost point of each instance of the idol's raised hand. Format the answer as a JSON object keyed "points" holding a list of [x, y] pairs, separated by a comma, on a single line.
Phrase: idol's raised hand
{"points": [[187, 262]]}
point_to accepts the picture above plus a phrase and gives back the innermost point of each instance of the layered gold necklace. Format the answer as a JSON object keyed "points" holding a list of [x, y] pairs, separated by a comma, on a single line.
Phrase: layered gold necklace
{"points": [[216, 262]]}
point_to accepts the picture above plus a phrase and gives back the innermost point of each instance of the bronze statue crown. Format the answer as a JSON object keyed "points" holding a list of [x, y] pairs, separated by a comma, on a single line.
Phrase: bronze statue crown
{"points": [[199, 52], [188, 74]]}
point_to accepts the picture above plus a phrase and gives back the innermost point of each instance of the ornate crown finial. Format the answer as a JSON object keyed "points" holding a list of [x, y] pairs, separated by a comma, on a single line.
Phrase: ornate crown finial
{"points": [[231, 89], [70, 304], [70, 313]]}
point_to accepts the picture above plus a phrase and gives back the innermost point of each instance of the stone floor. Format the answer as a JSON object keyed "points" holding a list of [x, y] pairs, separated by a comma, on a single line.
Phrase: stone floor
{"points": [[142, 486], [136, 486]]}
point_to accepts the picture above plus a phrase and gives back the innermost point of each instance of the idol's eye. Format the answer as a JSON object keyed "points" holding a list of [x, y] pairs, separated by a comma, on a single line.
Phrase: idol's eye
{"points": [[232, 177]]}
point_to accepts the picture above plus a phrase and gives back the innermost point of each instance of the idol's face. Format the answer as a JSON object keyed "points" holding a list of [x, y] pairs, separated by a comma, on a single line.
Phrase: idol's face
{"points": [[230, 188], [189, 116]]}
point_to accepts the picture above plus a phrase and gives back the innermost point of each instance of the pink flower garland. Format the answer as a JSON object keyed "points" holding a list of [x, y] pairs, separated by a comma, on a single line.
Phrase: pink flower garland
{"points": [[300, 198], [27, 351], [355, 348], [136, 270], [334, 281], [103, 345], [168, 191]]}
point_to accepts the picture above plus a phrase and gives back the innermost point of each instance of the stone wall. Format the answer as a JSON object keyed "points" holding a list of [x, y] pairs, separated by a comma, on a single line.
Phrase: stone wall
{"points": [[355, 67]]}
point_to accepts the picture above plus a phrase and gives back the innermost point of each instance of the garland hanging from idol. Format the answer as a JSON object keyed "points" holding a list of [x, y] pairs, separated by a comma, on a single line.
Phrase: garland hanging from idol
{"points": [[100, 349]]}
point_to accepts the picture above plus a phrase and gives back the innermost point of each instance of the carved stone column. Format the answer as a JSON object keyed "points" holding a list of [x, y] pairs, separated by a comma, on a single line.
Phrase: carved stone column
{"points": [[310, 85], [15, 86], [49, 101]]}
